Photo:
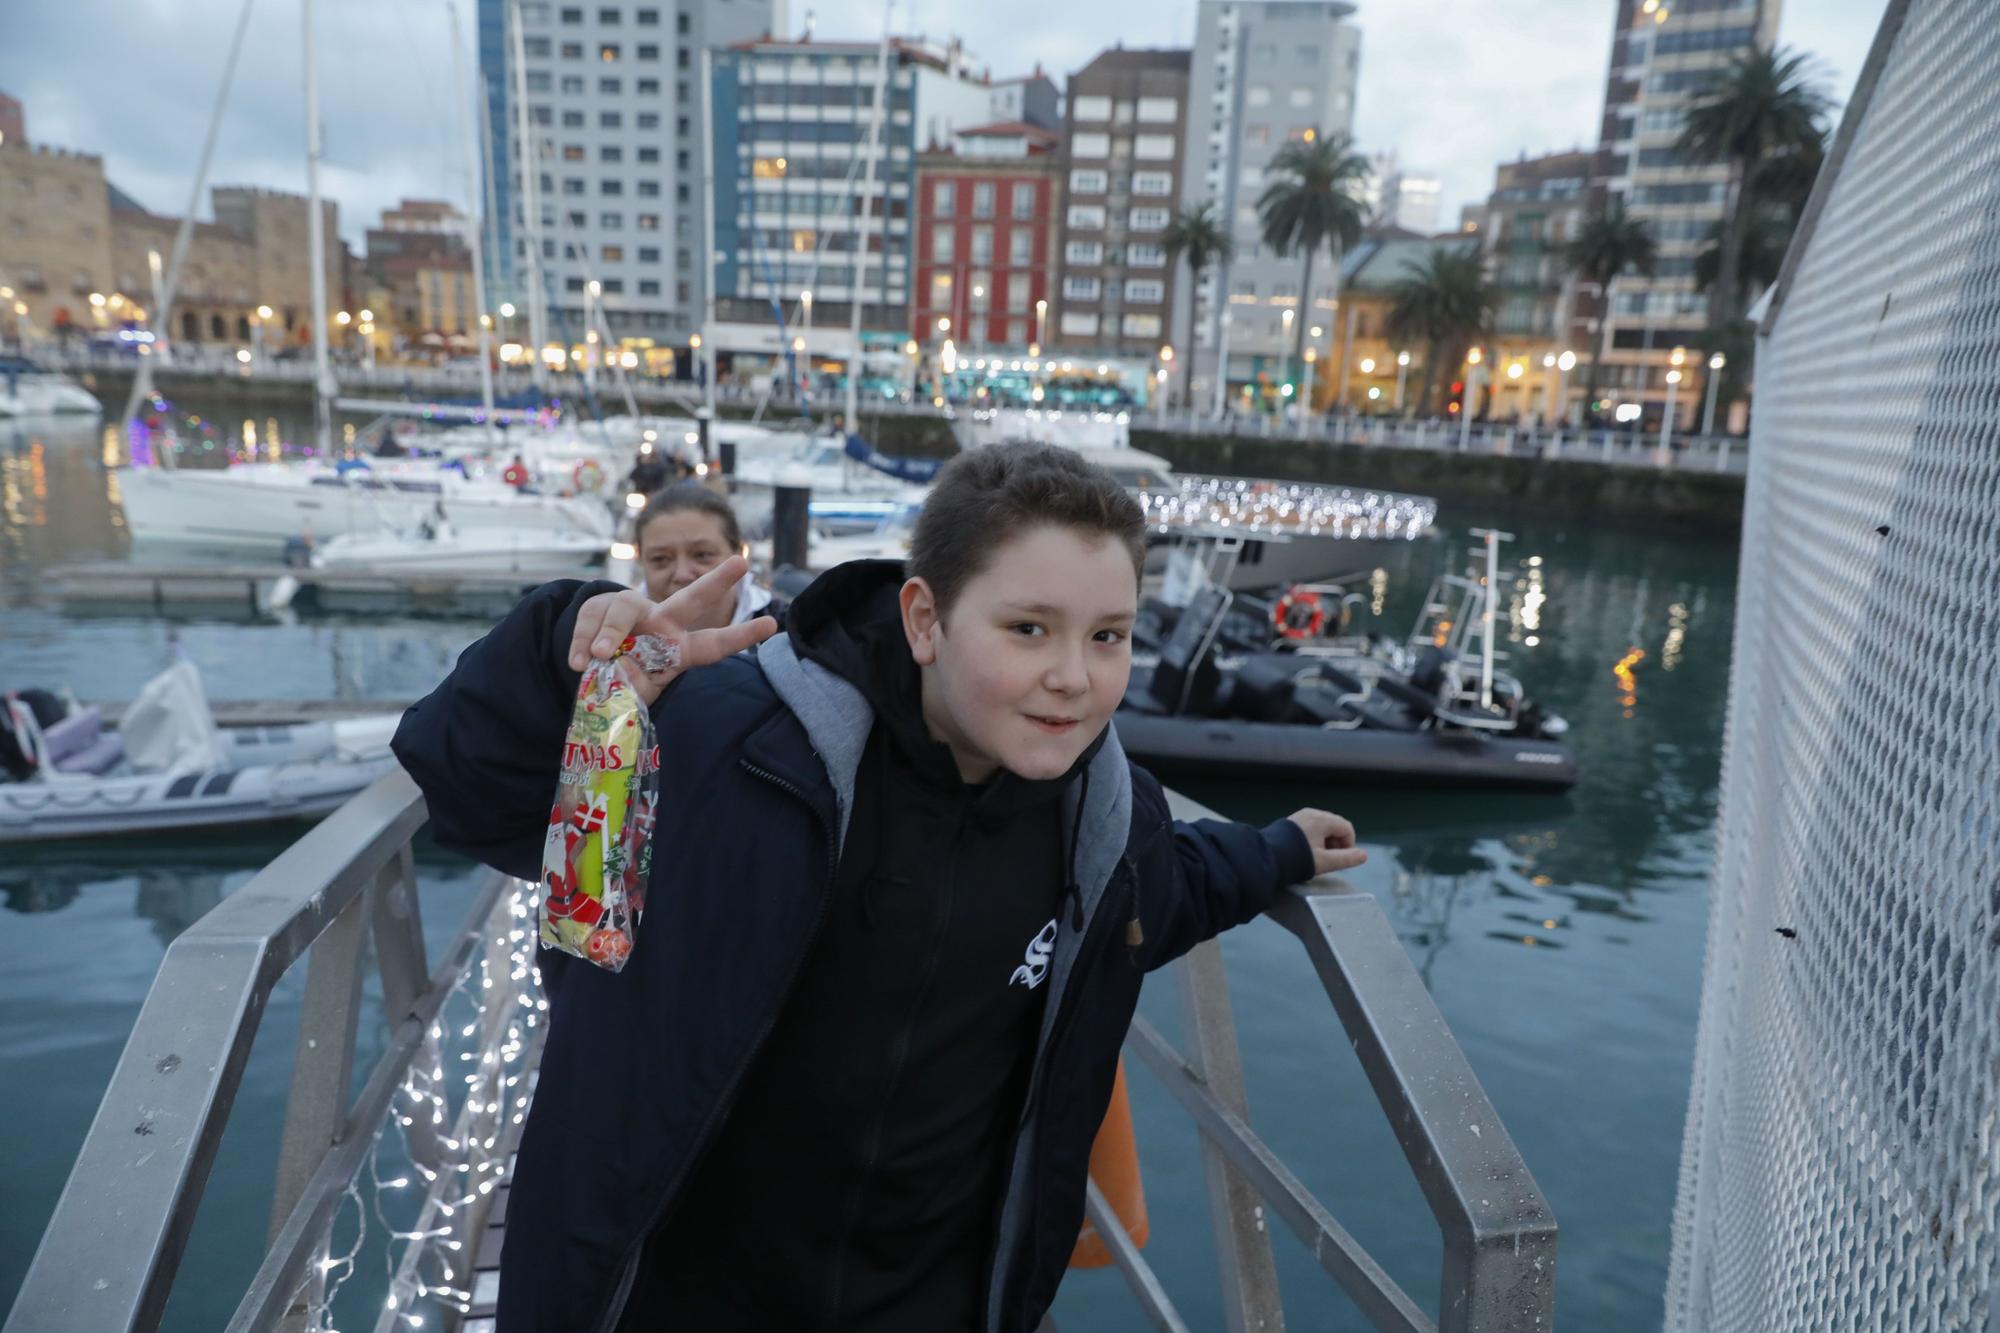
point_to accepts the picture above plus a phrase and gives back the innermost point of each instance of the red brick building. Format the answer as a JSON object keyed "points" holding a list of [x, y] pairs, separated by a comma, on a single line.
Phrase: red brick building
{"points": [[987, 213]]}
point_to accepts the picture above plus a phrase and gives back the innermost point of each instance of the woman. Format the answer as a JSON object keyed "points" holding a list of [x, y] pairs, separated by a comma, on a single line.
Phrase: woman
{"points": [[683, 532]]}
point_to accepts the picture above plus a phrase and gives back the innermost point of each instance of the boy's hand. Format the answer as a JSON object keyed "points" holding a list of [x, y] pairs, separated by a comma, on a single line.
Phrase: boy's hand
{"points": [[608, 619], [1332, 840]]}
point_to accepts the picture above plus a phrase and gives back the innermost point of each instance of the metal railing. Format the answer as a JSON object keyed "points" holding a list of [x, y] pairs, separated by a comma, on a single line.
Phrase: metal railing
{"points": [[111, 1252], [109, 1257]]}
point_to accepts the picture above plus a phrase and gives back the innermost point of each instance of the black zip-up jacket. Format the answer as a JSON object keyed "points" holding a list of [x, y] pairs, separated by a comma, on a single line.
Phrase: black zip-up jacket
{"points": [[643, 1069]]}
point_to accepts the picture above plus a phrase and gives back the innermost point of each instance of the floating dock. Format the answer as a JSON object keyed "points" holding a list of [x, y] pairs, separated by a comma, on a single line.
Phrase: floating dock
{"points": [[262, 590]]}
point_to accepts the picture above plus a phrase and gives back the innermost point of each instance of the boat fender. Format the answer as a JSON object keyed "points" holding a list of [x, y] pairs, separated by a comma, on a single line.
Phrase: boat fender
{"points": [[1299, 614], [588, 475], [1114, 1168]]}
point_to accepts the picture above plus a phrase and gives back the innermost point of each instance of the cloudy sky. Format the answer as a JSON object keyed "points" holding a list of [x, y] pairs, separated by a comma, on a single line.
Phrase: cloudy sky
{"points": [[1451, 86]]}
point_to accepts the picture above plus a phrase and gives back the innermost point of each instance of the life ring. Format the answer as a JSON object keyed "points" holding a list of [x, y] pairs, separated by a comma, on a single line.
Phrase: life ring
{"points": [[588, 475], [1299, 614]]}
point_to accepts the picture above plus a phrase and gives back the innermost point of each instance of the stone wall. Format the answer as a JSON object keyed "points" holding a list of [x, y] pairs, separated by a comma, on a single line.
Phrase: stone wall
{"points": [[55, 236]]}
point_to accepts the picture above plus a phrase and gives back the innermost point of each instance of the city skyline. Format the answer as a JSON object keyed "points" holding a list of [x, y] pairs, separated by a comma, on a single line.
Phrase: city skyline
{"points": [[387, 93]]}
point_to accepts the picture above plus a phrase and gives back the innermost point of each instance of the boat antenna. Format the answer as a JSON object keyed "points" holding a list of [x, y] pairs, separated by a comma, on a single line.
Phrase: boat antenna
{"points": [[478, 227], [323, 385]]}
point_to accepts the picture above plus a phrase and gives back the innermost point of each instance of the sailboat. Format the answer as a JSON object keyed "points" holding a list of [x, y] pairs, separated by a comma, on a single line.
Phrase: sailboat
{"points": [[264, 507]]}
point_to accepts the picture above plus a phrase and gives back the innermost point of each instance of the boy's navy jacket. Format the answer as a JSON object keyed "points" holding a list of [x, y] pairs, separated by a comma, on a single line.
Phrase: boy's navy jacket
{"points": [[759, 756]]}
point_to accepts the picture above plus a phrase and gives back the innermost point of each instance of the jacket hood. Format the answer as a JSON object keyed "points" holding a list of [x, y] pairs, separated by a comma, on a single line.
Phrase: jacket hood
{"points": [[850, 622]]}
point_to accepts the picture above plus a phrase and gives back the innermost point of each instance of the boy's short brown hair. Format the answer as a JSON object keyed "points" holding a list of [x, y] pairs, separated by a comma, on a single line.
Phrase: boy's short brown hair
{"points": [[989, 494]]}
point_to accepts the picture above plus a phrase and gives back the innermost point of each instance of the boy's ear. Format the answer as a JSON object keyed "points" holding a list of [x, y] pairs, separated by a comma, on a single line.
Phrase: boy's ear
{"points": [[920, 620]]}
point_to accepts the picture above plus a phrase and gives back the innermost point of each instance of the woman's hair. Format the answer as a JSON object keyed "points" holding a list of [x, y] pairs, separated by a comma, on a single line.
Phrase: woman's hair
{"points": [[689, 495], [987, 495]]}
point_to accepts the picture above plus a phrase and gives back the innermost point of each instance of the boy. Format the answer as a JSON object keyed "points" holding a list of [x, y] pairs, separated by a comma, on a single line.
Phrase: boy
{"points": [[907, 887]]}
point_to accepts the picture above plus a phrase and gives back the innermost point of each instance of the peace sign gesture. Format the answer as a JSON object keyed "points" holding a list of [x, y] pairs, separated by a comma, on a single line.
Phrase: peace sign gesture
{"points": [[608, 619]]}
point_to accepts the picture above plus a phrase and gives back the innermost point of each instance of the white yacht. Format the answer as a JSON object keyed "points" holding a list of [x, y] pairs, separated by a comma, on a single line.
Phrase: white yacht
{"points": [[261, 507], [29, 390]]}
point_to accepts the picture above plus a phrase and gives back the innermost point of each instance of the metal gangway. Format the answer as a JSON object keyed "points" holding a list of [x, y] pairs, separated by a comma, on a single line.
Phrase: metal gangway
{"points": [[111, 1253]]}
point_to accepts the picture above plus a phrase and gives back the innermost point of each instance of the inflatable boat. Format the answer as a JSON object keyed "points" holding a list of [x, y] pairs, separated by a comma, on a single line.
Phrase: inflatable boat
{"points": [[65, 774], [1225, 685]]}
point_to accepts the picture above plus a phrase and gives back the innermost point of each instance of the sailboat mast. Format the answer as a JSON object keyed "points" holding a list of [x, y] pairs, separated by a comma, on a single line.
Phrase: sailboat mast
{"points": [[875, 123], [476, 231], [708, 235], [323, 387]]}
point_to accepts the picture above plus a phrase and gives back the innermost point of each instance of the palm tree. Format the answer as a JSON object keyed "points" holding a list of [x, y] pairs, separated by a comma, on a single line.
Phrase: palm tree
{"points": [[1609, 243], [1198, 236], [1763, 107], [1313, 199], [1442, 303]]}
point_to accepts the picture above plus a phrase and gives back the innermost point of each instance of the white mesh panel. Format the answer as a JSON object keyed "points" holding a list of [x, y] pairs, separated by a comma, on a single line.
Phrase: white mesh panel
{"points": [[1842, 1162]]}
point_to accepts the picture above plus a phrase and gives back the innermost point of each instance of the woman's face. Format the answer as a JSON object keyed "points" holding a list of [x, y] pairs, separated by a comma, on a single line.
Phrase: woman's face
{"points": [[679, 547]]}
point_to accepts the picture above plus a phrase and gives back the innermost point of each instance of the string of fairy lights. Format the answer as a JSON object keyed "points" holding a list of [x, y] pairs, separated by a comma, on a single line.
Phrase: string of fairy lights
{"points": [[1283, 509], [466, 1088]]}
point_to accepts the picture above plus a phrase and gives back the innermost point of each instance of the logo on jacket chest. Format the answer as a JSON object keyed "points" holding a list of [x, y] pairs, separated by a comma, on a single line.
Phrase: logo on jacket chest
{"points": [[1035, 964]]}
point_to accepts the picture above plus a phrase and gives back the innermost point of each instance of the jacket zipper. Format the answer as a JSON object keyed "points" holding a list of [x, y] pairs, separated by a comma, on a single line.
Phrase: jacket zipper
{"points": [[1036, 1086], [630, 1268]]}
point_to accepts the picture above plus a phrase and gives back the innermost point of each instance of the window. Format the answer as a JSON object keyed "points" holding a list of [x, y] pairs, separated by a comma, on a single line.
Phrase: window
{"points": [[1090, 109], [649, 189], [981, 293], [1145, 291], [572, 185], [611, 221], [982, 245], [648, 51], [1301, 133], [1159, 110], [536, 48], [943, 239], [1308, 55], [572, 50], [1146, 256], [648, 87], [1154, 148], [610, 87], [649, 222], [572, 16], [1121, 113], [1153, 184], [573, 152], [538, 81], [649, 254], [681, 58], [534, 11], [610, 153], [1256, 134], [681, 23], [610, 120], [1024, 201], [608, 52], [543, 115], [1079, 324], [1086, 180], [573, 284], [1300, 97], [1018, 286], [613, 254], [647, 18], [578, 218], [649, 287], [1090, 146], [649, 155], [572, 120], [680, 159], [1149, 219], [1084, 252], [982, 199], [1020, 248], [1257, 95], [572, 84], [1086, 217], [608, 17], [1142, 326], [611, 187], [944, 197], [1082, 289], [1017, 332]]}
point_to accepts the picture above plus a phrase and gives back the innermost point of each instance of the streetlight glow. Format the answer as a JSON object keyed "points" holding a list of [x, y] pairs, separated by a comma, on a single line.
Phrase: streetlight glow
{"points": [[263, 312], [1566, 362], [1718, 361], [1402, 358], [506, 310], [1473, 357], [944, 325], [343, 319], [1368, 365]]}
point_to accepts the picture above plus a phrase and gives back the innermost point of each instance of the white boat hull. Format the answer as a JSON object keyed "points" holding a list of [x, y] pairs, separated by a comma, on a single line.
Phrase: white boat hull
{"points": [[487, 553], [261, 508], [47, 396], [142, 803]]}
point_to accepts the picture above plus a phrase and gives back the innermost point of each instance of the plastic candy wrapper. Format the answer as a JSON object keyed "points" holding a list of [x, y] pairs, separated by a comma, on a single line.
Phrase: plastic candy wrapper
{"points": [[599, 847]]}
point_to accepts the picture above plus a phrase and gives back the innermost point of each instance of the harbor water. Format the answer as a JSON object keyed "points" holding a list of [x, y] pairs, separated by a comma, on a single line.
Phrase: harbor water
{"points": [[1561, 935]]}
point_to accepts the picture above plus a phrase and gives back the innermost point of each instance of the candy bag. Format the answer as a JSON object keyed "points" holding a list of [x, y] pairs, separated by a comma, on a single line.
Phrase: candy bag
{"points": [[599, 847]]}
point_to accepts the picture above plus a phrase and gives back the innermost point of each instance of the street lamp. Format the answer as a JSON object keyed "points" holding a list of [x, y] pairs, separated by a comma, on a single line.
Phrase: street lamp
{"points": [[1306, 404], [1564, 364], [1674, 376], [1473, 358], [1041, 324], [1715, 365], [912, 351], [1402, 369]]}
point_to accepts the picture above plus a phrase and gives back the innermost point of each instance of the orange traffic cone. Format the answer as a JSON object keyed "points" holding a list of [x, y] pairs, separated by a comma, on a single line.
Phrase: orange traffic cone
{"points": [[1114, 1165]]}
